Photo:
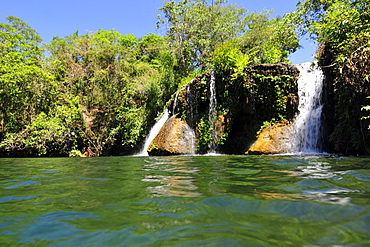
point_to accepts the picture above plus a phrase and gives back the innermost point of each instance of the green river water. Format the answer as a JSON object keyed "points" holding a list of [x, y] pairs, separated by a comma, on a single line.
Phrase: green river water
{"points": [[185, 201]]}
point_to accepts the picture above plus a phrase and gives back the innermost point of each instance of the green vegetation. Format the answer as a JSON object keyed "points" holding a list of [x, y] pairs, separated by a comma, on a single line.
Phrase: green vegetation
{"points": [[99, 93], [196, 27]]}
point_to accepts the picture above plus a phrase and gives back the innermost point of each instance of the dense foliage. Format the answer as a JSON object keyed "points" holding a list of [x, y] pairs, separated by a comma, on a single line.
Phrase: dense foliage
{"points": [[195, 27], [121, 83], [97, 93], [25, 88], [204, 35]]}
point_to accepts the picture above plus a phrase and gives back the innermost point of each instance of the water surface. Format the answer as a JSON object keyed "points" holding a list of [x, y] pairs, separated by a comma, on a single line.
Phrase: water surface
{"points": [[185, 201]]}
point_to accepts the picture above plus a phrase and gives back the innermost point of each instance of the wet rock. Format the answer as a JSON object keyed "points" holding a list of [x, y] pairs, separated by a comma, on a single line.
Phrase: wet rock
{"points": [[175, 137], [274, 139]]}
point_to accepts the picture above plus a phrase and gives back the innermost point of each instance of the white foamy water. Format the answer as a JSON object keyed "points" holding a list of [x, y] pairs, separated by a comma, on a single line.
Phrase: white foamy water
{"points": [[212, 114], [153, 133], [306, 126], [174, 108]]}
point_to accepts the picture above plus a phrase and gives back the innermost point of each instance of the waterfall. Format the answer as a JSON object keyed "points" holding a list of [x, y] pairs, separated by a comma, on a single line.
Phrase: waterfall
{"points": [[212, 115], [153, 133], [189, 107], [306, 127], [174, 110], [189, 139], [190, 118]]}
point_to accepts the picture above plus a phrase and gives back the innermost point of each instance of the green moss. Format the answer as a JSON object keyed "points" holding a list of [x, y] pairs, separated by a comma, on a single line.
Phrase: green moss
{"points": [[203, 134]]}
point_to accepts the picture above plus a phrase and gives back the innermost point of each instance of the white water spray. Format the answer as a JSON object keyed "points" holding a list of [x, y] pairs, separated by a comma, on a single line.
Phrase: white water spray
{"points": [[212, 115], [306, 127], [189, 139], [189, 106], [190, 135], [174, 108], [153, 133]]}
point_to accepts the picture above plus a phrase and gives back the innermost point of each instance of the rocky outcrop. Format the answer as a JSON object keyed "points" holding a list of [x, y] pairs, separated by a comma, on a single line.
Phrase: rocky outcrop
{"points": [[270, 91], [265, 92], [175, 137], [346, 88], [275, 139]]}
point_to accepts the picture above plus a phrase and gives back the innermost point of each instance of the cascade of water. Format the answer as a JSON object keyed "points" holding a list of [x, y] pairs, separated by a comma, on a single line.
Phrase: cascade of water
{"points": [[153, 133], [190, 117], [189, 106], [189, 139], [212, 115], [306, 127], [174, 110]]}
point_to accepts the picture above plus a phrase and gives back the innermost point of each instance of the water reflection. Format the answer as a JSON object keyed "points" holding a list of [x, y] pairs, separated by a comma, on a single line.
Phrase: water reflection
{"points": [[318, 181], [335, 196], [317, 170], [331, 196], [178, 179]]}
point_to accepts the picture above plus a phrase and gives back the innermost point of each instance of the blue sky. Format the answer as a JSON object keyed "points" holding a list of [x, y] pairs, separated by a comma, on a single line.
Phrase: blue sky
{"points": [[61, 18]]}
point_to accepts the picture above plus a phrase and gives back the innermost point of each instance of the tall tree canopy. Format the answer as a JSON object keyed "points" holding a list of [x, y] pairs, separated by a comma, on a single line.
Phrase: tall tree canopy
{"points": [[269, 40], [195, 27], [121, 83], [94, 92], [25, 89]]}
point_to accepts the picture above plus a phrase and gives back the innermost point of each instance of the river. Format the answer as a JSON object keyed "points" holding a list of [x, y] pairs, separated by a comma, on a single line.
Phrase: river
{"points": [[185, 201]]}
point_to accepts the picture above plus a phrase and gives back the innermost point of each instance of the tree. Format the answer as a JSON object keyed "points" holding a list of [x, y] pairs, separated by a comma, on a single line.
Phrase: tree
{"points": [[122, 83], [25, 89], [269, 40], [195, 27], [265, 41]]}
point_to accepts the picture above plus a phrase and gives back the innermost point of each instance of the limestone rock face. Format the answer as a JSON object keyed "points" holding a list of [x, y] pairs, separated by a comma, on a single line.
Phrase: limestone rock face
{"points": [[175, 137], [275, 139]]}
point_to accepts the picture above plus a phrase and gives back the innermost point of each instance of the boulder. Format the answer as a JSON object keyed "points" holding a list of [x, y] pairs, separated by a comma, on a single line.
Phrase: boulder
{"points": [[275, 139], [175, 137]]}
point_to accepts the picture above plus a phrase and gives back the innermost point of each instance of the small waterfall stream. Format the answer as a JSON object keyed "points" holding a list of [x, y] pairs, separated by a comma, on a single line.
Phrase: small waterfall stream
{"points": [[189, 106], [306, 127], [174, 107], [154, 132], [190, 134], [212, 116]]}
